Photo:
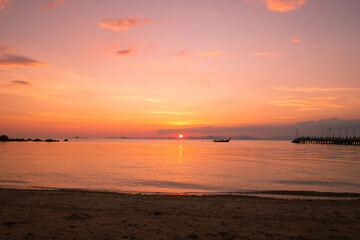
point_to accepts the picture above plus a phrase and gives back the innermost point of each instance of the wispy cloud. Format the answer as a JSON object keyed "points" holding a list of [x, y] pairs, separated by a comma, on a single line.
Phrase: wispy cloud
{"points": [[135, 98], [126, 51], [284, 5], [9, 60], [296, 40], [307, 128], [182, 53], [135, 64], [53, 4], [210, 53], [265, 54], [308, 103], [3, 4], [201, 54], [111, 48], [17, 83], [187, 122], [151, 64], [167, 112], [315, 89], [6, 48], [122, 24], [321, 98]]}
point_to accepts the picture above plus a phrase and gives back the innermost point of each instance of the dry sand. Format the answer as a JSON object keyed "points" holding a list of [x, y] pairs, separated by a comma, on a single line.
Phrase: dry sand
{"points": [[36, 214]]}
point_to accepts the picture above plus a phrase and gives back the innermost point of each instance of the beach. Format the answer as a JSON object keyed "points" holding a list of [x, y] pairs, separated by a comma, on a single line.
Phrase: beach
{"points": [[71, 214]]}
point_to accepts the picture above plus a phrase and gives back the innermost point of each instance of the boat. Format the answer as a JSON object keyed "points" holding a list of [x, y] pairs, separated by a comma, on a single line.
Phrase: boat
{"points": [[222, 139]]}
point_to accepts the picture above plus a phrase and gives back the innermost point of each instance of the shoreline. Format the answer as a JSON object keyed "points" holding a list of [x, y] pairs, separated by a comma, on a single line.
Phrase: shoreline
{"points": [[272, 194], [64, 214]]}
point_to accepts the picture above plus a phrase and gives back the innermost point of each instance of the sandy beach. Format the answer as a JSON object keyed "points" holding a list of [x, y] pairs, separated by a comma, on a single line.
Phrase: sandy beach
{"points": [[40, 214]]}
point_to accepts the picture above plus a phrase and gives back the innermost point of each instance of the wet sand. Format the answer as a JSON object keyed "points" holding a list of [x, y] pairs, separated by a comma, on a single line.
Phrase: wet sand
{"points": [[38, 214]]}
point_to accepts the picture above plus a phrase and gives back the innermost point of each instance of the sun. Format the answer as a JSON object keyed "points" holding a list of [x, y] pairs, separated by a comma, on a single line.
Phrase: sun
{"points": [[181, 135]]}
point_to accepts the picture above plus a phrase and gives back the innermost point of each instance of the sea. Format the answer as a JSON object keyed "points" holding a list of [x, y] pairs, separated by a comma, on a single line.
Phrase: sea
{"points": [[180, 166]]}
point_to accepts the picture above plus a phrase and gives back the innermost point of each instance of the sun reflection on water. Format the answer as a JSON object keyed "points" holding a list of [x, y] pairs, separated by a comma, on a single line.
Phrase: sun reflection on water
{"points": [[180, 153]]}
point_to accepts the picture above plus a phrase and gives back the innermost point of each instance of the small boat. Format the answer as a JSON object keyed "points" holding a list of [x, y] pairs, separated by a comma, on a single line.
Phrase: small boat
{"points": [[222, 139]]}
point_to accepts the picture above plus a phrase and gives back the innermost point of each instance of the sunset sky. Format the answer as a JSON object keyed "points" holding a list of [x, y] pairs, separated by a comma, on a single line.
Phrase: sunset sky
{"points": [[139, 67]]}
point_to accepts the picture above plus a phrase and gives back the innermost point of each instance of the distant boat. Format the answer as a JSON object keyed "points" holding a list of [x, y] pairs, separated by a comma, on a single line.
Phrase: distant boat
{"points": [[222, 139]]}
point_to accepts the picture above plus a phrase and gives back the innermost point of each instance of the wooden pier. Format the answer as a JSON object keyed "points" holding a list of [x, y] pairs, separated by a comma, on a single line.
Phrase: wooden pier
{"points": [[328, 140], [337, 135]]}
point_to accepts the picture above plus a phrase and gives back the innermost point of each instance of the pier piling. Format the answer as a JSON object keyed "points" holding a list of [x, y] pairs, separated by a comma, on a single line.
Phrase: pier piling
{"points": [[329, 136], [328, 140]]}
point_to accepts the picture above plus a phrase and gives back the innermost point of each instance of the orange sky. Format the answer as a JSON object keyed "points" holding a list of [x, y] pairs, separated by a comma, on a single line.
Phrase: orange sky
{"points": [[129, 68]]}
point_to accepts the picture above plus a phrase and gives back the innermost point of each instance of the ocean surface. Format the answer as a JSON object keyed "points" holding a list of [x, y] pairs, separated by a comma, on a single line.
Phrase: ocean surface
{"points": [[180, 166]]}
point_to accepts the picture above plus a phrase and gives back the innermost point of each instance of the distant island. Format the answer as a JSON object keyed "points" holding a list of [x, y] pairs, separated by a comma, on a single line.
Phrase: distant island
{"points": [[243, 137], [4, 138], [210, 137]]}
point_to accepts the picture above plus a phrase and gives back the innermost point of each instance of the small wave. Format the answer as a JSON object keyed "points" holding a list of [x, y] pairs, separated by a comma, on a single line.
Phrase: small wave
{"points": [[12, 181], [316, 183], [171, 184], [307, 193]]}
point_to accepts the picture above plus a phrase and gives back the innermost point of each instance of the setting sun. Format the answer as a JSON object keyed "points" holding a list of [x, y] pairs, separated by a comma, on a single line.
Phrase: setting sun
{"points": [[181, 136]]}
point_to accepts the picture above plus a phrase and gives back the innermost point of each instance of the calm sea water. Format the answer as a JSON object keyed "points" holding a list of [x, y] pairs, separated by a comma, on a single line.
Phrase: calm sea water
{"points": [[176, 166]]}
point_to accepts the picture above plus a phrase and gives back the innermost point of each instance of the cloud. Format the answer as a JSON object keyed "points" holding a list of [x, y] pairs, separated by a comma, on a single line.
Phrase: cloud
{"points": [[182, 53], [308, 103], [209, 53], [187, 122], [54, 3], [135, 98], [151, 64], [3, 4], [9, 60], [167, 112], [6, 48], [202, 54], [122, 24], [312, 103], [284, 5], [17, 83], [296, 40], [126, 52], [135, 64], [111, 48], [315, 89], [306, 128], [265, 54]]}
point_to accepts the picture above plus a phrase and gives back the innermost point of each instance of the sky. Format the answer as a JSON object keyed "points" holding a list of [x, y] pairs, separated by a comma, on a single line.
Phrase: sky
{"points": [[152, 68]]}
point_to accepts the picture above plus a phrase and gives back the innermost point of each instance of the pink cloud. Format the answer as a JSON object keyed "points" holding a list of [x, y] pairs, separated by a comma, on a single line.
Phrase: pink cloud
{"points": [[122, 24], [182, 53], [201, 54], [126, 52], [296, 40], [9, 60], [54, 3], [316, 89], [284, 5], [111, 48], [6, 48], [19, 83], [308, 103], [210, 53], [3, 4]]}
